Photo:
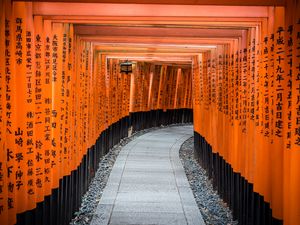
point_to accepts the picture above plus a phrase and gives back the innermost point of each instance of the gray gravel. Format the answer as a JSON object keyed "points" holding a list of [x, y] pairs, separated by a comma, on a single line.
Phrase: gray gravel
{"points": [[213, 209]]}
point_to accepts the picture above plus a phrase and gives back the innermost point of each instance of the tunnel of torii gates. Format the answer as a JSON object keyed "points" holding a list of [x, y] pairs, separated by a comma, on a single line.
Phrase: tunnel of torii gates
{"points": [[231, 67]]}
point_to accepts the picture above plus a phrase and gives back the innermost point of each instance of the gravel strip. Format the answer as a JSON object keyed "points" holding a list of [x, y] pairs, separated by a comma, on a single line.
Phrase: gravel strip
{"points": [[213, 209], [92, 197]]}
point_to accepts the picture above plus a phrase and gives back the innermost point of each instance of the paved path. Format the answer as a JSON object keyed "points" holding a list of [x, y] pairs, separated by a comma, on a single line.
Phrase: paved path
{"points": [[148, 184]]}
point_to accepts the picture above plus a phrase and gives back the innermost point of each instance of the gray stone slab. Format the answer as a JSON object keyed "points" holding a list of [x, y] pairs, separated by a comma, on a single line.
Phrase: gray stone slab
{"points": [[147, 177], [126, 187], [149, 196], [146, 144], [149, 160], [148, 156], [149, 169], [160, 181], [143, 207], [145, 165], [136, 218], [160, 153], [137, 172]]}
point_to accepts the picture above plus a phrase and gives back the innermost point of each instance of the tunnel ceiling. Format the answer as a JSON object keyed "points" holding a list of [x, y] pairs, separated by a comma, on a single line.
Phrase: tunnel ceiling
{"points": [[155, 31], [181, 2], [234, 71]]}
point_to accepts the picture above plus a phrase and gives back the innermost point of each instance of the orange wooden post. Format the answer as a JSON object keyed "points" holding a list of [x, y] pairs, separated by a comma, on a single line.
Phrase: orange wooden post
{"points": [[108, 92], [287, 107], [132, 91], [264, 170], [112, 97], [39, 119], [196, 92], [103, 92], [10, 117], [161, 87], [224, 99], [147, 86], [22, 106], [262, 120], [252, 99], [294, 209], [236, 69], [230, 100], [155, 85], [150, 90], [45, 31], [3, 156], [128, 94], [119, 89], [64, 144], [71, 79], [57, 36], [219, 99], [77, 101], [205, 95], [277, 145]]}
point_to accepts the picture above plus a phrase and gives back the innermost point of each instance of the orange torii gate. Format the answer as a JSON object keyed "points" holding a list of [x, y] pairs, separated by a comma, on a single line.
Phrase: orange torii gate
{"points": [[54, 115]]}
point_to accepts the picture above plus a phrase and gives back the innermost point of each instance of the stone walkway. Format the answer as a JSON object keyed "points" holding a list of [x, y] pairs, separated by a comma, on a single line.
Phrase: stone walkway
{"points": [[148, 184]]}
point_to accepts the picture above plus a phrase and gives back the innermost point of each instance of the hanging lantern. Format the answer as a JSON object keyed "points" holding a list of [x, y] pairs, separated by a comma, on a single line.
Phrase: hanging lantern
{"points": [[126, 67]]}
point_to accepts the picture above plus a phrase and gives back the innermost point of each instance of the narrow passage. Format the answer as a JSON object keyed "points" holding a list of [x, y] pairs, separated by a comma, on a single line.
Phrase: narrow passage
{"points": [[148, 184]]}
